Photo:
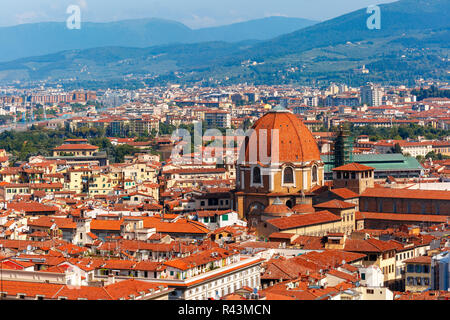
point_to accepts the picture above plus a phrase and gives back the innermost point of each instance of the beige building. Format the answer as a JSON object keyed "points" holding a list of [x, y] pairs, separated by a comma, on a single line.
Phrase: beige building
{"points": [[418, 274]]}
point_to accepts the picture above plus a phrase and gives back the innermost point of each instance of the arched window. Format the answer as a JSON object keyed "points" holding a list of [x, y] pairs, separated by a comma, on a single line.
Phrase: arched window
{"points": [[314, 174], [288, 175], [256, 175]]}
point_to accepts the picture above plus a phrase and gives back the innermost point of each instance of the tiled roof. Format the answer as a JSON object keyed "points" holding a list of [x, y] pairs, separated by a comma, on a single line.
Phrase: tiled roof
{"points": [[343, 275], [421, 259], [353, 167], [345, 193], [297, 221], [122, 289], [303, 208], [277, 269], [181, 226], [406, 193], [401, 217], [106, 224], [198, 259], [369, 245], [31, 207], [335, 204], [47, 222], [67, 147]]}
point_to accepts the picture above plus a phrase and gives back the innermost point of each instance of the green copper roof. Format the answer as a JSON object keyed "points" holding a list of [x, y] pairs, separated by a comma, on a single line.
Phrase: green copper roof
{"points": [[279, 108], [381, 162]]}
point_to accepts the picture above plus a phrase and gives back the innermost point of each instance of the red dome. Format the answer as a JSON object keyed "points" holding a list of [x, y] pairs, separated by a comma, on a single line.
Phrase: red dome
{"points": [[296, 143], [277, 209]]}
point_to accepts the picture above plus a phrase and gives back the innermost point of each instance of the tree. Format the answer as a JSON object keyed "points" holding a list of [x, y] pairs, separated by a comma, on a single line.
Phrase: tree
{"points": [[397, 148], [123, 150]]}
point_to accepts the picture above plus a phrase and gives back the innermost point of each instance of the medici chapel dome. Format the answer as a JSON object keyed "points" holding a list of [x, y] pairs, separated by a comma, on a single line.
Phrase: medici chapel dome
{"points": [[296, 143]]}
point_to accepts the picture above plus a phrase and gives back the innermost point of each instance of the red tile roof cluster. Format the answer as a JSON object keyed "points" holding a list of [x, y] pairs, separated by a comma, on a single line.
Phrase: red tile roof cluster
{"points": [[370, 245], [199, 259], [31, 207], [119, 290]]}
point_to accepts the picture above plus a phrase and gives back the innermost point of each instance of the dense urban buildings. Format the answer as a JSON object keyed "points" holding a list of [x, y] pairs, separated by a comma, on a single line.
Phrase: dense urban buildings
{"points": [[337, 193]]}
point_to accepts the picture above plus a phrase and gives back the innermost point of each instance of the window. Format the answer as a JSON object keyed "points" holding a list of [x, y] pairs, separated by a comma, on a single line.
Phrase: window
{"points": [[419, 281], [315, 175], [225, 217], [363, 276], [213, 202], [256, 175], [369, 291], [288, 175], [410, 281], [380, 205], [418, 268]]}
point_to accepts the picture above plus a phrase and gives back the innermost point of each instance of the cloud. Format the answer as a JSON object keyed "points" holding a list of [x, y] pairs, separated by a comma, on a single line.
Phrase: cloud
{"points": [[82, 4], [275, 15], [200, 21], [27, 17]]}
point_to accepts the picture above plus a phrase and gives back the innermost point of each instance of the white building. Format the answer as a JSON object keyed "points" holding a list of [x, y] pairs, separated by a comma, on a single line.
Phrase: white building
{"points": [[371, 95], [211, 274], [215, 219]]}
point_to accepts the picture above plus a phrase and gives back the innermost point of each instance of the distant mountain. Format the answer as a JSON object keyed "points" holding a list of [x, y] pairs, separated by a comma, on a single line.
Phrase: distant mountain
{"points": [[260, 29], [413, 42], [397, 19], [50, 37]]}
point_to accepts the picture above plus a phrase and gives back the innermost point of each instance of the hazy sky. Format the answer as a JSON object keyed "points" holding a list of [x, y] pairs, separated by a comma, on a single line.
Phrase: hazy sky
{"points": [[193, 13]]}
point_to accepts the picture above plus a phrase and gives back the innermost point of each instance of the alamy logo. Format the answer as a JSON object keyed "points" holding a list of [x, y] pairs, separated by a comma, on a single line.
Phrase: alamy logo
{"points": [[374, 21], [74, 20]]}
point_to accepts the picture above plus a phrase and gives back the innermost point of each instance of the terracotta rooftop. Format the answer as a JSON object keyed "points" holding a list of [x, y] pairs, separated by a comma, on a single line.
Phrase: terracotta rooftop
{"points": [[297, 221], [335, 204], [68, 147], [401, 217], [345, 193], [353, 167], [406, 193], [421, 259]]}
